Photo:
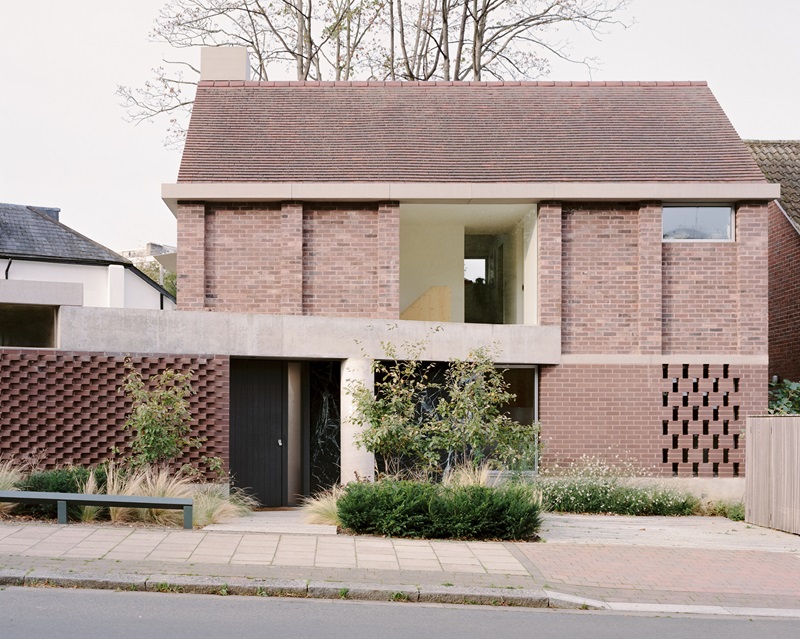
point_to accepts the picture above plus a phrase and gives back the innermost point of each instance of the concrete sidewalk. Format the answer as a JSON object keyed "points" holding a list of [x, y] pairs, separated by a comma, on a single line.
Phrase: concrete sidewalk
{"points": [[692, 564]]}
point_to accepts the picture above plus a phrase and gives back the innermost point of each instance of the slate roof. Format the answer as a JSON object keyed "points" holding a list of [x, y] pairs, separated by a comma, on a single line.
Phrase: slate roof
{"points": [[29, 232], [780, 162], [461, 132]]}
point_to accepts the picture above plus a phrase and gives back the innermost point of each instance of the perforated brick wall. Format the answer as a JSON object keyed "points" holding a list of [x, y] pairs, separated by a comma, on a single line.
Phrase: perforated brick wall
{"points": [[683, 419], [66, 407], [704, 408]]}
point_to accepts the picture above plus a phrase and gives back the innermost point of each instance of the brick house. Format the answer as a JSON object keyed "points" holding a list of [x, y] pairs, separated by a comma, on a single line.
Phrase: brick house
{"points": [[607, 238], [780, 162]]}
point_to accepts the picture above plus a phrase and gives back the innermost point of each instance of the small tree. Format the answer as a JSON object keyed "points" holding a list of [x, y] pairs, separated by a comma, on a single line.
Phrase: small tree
{"points": [[472, 425], [467, 425], [160, 417], [393, 425]]}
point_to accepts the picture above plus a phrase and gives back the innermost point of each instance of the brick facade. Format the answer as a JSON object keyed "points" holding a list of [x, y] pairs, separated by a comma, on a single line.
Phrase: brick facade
{"points": [[600, 279], [626, 303], [624, 294], [66, 408], [784, 296], [683, 419], [290, 258]]}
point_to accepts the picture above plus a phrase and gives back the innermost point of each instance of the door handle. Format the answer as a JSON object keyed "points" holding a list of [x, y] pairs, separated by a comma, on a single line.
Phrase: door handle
{"points": [[280, 442]]}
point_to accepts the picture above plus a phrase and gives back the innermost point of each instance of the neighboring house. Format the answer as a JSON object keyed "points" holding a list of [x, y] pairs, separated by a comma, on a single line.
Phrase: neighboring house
{"points": [[47, 265], [780, 162], [608, 239]]}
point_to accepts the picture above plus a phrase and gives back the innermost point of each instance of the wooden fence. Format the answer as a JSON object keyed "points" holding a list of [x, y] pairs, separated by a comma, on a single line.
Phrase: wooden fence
{"points": [[772, 484]]}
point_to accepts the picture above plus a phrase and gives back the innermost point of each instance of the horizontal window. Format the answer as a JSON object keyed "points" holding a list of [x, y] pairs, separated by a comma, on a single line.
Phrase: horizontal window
{"points": [[681, 223]]}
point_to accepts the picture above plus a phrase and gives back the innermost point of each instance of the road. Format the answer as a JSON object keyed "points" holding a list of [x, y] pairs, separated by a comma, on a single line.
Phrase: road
{"points": [[90, 614]]}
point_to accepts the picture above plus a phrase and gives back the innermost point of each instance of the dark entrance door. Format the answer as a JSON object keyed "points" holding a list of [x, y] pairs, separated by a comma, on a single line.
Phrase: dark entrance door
{"points": [[258, 415]]}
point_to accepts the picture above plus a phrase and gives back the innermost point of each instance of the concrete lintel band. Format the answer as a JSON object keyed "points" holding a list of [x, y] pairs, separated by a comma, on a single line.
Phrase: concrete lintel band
{"points": [[467, 192], [690, 358]]}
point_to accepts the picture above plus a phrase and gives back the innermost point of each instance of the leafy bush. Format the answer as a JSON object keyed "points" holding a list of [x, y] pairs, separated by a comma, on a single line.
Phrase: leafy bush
{"points": [[70, 479], [733, 510], [391, 508], [597, 485], [480, 512], [784, 398], [612, 495], [160, 416], [421, 509], [416, 422]]}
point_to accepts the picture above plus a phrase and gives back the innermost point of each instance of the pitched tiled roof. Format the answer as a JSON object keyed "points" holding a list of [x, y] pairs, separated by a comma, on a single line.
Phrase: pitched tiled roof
{"points": [[780, 161], [29, 232], [461, 132]]}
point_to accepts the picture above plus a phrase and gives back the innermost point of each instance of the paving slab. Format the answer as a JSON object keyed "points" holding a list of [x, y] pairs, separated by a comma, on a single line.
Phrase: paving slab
{"points": [[662, 565]]}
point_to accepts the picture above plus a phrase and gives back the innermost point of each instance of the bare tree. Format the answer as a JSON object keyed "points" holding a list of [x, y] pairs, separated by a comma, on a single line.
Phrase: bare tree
{"points": [[309, 39], [372, 39], [468, 39]]}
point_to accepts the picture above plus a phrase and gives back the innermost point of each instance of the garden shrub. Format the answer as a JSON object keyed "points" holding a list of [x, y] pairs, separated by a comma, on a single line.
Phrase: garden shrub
{"points": [[391, 508], [421, 509], [784, 397], [612, 495], [70, 479], [481, 512]]}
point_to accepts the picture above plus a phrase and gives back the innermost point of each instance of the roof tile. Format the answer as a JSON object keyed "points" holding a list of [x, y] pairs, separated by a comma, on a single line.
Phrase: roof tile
{"points": [[780, 162], [462, 132]]}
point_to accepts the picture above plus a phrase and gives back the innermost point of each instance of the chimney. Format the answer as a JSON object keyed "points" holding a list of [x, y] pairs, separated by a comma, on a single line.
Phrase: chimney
{"points": [[49, 212], [224, 63]]}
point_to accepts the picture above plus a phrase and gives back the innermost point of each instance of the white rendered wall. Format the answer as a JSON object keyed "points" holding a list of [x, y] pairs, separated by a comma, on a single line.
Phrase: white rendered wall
{"points": [[139, 294], [103, 286], [432, 255]]}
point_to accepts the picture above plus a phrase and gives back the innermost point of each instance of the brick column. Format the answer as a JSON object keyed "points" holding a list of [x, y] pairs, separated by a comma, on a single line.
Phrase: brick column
{"points": [[550, 263], [191, 256], [752, 222], [389, 260], [650, 311], [291, 247]]}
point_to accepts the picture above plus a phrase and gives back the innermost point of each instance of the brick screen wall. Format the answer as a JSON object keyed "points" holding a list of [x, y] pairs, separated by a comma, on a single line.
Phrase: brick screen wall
{"points": [[65, 407], [289, 258], [685, 420], [784, 296]]}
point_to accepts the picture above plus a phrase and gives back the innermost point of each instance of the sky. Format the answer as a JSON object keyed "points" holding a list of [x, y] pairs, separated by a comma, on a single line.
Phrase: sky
{"points": [[65, 142]]}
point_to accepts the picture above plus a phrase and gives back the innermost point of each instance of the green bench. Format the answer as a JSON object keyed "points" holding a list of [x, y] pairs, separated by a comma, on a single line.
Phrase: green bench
{"points": [[62, 500]]}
